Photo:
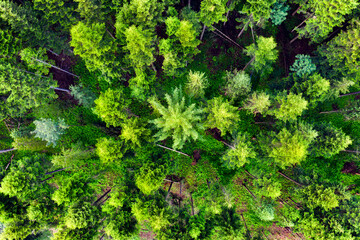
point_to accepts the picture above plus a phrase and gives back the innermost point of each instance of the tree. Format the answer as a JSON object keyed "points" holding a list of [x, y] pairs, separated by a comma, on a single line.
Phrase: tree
{"points": [[221, 115], [73, 157], [315, 88], [139, 45], [279, 12], [343, 51], [91, 43], [133, 132], [29, 55], [239, 153], [263, 54], [212, 11], [16, 183], [177, 120], [196, 84], [290, 147], [238, 83], [269, 187], [110, 150], [112, 107], [289, 106], [19, 229], [21, 91], [258, 102], [9, 45], [49, 130], [303, 65], [318, 196], [327, 15], [266, 212], [80, 215], [120, 225], [71, 189], [228, 225], [259, 9], [83, 95], [150, 177], [152, 210], [330, 141]]}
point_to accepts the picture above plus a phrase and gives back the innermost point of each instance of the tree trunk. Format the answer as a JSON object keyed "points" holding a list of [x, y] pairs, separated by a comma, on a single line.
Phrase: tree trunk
{"points": [[293, 40], [247, 230], [153, 67], [172, 150], [7, 150], [47, 179], [227, 37], [249, 191], [41, 61], [59, 170], [61, 89], [202, 33], [102, 196], [296, 11], [243, 29], [351, 151], [189, 4], [249, 63], [53, 52], [348, 94], [292, 180], [246, 171], [168, 192], [192, 205], [227, 15], [302, 22], [228, 145], [112, 36], [335, 111], [252, 33], [9, 162]]}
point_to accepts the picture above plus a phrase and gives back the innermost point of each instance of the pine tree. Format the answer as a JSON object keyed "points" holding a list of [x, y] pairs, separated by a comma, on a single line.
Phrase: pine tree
{"points": [[221, 115], [303, 65], [238, 83], [150, 177], [258, 103], [84, 95], [49, 130], [80, 215], [279, 12], [259, 9], [212, 11], [178, 121], [196, 84], [110, 150], [239, 153], [133, 132], [29, 55], [319, 196]]}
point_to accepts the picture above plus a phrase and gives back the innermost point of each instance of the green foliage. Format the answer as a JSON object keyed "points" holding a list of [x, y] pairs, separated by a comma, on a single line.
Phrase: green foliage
{"points": [[91, 42], [177, 120], [303, 65], [239, 153], [84, 95], [265, 212], [21, 91], [269, 188], [330, 141], [30, 56], [71, 190], [196, 84], [74, 157], [343, 51], [120, 226], [319, 196], [18, 229], [264, 54], [258, 102], [238, 83], [49, 130], [260, 9], [212, 11], [289, 107], [9, 45], [150, 177], [110, 150], [80, 215], [133, 132], [16, 183], [279, 12], [328, 14], [290, 147], [112, 107], [221, 115], [228, 225]]}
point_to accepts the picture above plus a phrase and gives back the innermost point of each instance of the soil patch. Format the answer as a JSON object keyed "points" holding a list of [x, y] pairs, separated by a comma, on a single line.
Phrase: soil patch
{"points": [[350, 168]]}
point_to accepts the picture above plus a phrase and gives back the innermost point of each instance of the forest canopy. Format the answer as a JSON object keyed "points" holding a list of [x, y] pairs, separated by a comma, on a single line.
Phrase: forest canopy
{"points": [[179, 119]]}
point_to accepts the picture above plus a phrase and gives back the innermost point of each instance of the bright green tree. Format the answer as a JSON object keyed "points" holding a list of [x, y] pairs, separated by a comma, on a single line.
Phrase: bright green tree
{"points": [[269, 187], [196, 84], [112, 107], [212, 11], [239, 153], [319, 196], [258, 102], [73, 157], [289, 107], [263, 54], [178, 121], [133, 132], [80, 215], [259, 9], [221, 115], [150, 177], [29, 55], [110, 150]]}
